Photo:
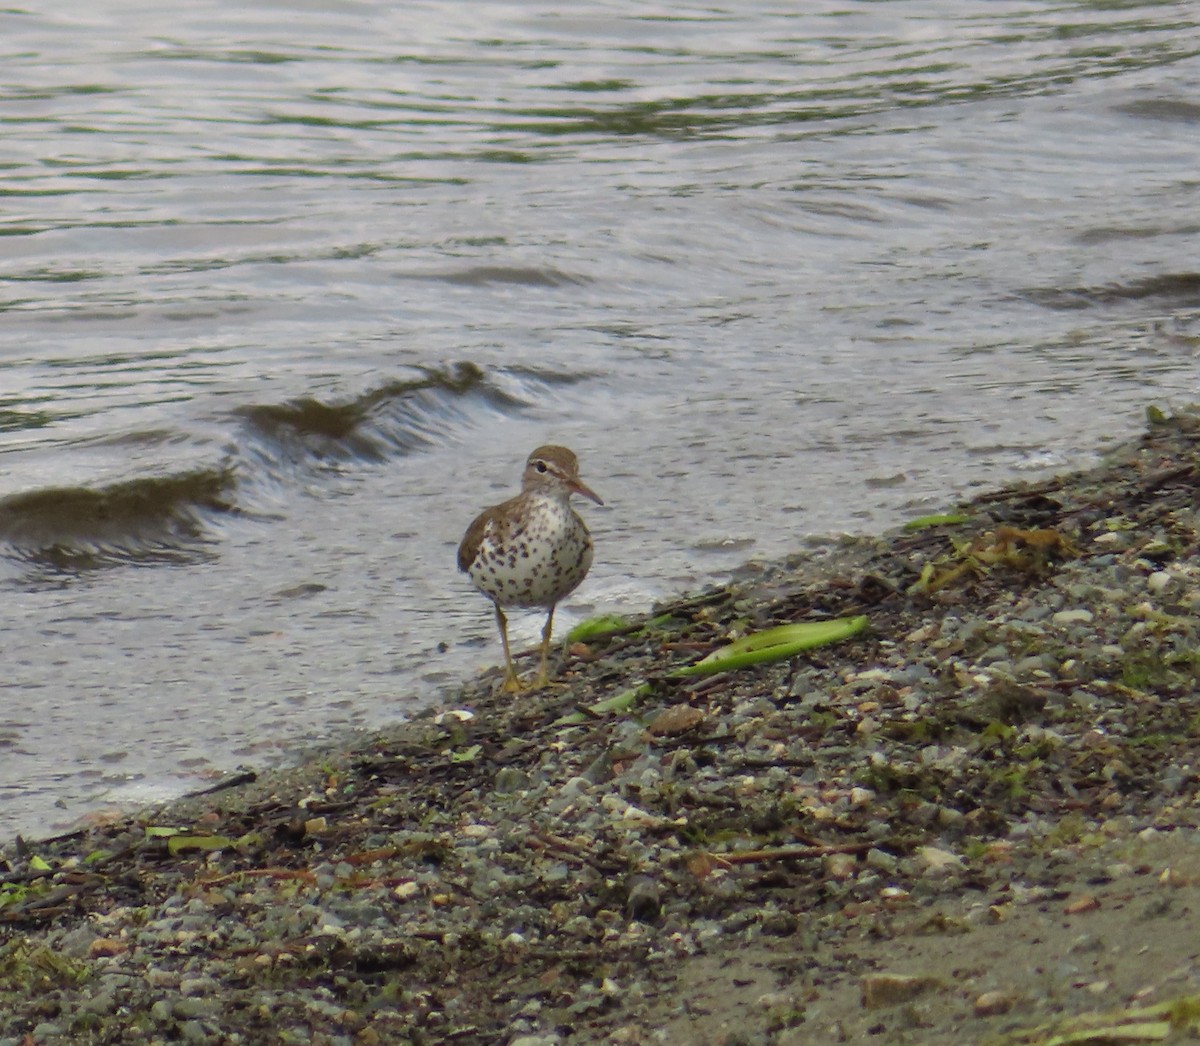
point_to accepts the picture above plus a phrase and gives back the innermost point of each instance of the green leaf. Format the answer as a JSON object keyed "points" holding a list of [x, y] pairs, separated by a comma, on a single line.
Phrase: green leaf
{"points": [[596, 626], [939, 520], [12, 893], [775, 644], [38, 864], [466, 755], [155, 832], [1158, 1031], [622, 702], [663, 620], [925, 580]]}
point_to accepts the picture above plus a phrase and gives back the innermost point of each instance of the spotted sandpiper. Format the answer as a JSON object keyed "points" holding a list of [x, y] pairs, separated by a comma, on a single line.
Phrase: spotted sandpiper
{"points": [[533, 549]]}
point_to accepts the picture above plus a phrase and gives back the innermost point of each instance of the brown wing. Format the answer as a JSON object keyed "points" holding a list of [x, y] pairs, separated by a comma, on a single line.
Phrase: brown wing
{"points": [[497, 519], [471, 541]]}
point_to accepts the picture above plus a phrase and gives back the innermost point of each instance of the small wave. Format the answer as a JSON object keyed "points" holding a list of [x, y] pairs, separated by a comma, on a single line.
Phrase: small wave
{"points": [[157, 519], [487, 275], [21, 420], [1171, 110], [399, 417], [1178, 288]]}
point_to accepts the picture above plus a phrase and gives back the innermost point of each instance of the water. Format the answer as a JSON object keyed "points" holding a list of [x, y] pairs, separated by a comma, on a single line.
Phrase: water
{"points": [[290, 291]]}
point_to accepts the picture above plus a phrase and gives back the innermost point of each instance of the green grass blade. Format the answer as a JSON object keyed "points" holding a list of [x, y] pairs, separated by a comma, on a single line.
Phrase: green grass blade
{"points": [[775, 644], [603, 625], [942, 519], [621, 702]]}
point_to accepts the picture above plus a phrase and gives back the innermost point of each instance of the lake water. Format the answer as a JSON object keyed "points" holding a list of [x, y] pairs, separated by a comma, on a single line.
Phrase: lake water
{"points": [[291, 289]]}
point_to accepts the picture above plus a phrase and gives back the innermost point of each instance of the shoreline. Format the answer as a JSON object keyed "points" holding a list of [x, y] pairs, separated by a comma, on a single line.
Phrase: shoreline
{"points": [[862, 841]]}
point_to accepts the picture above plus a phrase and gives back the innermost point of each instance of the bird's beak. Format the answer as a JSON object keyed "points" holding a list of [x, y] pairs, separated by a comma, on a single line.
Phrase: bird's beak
{"points": [[586, 491]]}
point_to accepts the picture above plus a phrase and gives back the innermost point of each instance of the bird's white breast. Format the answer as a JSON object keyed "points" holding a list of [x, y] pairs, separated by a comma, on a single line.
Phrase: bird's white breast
{"points": [[535, 559]]}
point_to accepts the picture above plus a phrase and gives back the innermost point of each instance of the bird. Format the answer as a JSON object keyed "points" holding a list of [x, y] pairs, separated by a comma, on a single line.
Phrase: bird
{"points": [[533, 549]]}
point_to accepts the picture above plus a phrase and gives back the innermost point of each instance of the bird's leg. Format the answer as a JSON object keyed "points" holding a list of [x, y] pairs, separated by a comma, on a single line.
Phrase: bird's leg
{"points": [[543, 675], [511, 682]]}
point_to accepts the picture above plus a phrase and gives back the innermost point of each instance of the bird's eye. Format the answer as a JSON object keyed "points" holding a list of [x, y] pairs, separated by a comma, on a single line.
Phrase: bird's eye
{"points": [[540, 466]]}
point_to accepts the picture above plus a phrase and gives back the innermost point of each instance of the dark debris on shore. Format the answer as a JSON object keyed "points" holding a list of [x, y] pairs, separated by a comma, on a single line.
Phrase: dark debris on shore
{"points": [[1021, 711]]}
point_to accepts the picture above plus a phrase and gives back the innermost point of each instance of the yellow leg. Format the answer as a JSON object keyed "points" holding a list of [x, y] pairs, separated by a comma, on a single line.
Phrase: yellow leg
{"points": [[543, 675], [511, 682]]}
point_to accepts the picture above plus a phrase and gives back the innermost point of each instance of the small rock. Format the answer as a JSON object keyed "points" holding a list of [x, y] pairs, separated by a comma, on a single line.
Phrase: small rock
{"points": [[1174, 877], [77, 943], [190, 1009], [629, 814], [513, 946], [600, 769], [675, 720], [860, 796], [1159, 581], [932, 861], [1077, 616], [193, 1032], [882, 861], [891, 989], [644, 900], [106, 947], [198, 986], [840, 866], [779, 924], [992, 1004], [948, 817], [101, 1003], [157, 977], [574, 787], [867, 726], [1086, 903], [773, 1000], [350, 1020], [510, 779]]}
